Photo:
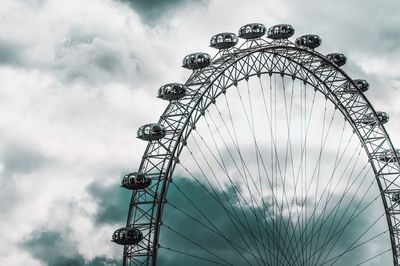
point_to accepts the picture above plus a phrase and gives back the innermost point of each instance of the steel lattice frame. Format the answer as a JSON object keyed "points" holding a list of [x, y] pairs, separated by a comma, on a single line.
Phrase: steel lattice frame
{"points": [[254, 58]]}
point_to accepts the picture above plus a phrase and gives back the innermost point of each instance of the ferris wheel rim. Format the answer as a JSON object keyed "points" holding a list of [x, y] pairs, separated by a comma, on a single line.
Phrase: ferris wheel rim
{"points": [[172, 160]]}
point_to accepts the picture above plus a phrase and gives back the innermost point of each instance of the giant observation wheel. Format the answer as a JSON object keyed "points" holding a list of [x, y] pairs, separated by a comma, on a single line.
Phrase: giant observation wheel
{"points": [[269, 154]]}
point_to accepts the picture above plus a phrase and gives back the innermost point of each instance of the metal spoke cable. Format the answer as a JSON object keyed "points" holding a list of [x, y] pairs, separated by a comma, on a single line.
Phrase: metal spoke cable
{"points": [[319, 159], [352, 247], [262, 162], [222, 164], [243, 198], [347, 188], [330, 193], [317, 168], [307, 123], [327, 188], [337, 205], [273, 142], [196, 244], [249, 234], [253, 129], [352, 218], [374, 257], [223, 191], [238, 150], [269, 120], [191, 255], [354, 196], [289, 149], [215, 229], [230, 215], [297, 177]]}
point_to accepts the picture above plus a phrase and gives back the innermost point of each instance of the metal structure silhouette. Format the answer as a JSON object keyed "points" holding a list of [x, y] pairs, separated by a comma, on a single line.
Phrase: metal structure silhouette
{"points": [[272, 62]]}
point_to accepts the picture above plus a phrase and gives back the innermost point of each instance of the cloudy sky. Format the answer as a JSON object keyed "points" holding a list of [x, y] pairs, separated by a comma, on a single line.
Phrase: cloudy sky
{"points": [[77, 78]]}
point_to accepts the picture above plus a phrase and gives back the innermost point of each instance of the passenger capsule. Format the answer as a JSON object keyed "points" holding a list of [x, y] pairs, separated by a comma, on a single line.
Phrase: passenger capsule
{"points": [[337, 59], [281, 31], [390, 156], [151, 132], [371, 120], [172, 91], [127, 236], [196, 61], [311, 41], [252, 31], [135, 181], [361, 84], [224, 40], [396, 197]]}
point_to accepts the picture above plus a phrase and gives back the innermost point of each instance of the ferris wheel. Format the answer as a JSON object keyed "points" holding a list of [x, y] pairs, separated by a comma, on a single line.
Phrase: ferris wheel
{"points": [[269, 154]]}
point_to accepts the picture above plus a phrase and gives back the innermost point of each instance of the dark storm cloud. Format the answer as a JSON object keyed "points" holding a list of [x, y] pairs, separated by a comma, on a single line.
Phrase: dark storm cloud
{"points": [[18, 158], [94, 57], [388, 39], [113, 202], [358, 26], [383, 26], [51, 248], [188, 227], [10, 54], [108, 63], [152, 11], [223, 221]]}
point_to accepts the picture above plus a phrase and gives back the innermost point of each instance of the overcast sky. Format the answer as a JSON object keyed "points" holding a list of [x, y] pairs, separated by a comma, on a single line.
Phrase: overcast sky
{"points": [[77, 78]]}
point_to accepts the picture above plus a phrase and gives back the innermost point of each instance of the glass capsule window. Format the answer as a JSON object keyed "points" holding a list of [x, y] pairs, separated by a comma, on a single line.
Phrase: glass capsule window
{"points": [[383, 117]]}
